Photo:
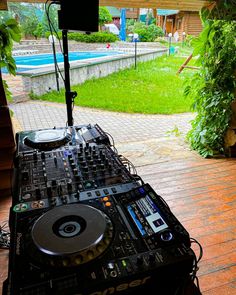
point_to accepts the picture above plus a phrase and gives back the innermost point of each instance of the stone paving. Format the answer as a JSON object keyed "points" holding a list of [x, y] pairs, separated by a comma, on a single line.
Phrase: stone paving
{"points": [[144, 139]]}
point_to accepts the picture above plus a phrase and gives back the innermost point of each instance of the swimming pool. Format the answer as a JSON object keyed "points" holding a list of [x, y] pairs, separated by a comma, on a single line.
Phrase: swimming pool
{"points": [[30, 62]]}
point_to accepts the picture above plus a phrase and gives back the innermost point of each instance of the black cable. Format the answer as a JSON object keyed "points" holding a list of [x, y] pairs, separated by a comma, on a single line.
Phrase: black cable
{"points": [[4, 236], [192, 240], [196, 261], [52, 28]]}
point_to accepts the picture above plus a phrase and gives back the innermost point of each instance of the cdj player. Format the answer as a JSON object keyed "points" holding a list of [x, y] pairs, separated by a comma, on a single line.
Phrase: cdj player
{"points": [[83, 222]]}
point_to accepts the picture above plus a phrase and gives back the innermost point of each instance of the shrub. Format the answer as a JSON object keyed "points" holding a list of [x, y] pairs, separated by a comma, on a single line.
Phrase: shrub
{"points": [[99, 37], [146, 33]]}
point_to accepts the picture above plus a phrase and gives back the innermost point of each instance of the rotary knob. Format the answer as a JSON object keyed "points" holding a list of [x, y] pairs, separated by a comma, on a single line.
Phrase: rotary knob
{"points": [[151, 258], [139, 260]]}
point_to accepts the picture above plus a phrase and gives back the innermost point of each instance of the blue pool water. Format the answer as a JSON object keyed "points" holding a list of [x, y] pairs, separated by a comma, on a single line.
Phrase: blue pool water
{"points": [[30, 62]]}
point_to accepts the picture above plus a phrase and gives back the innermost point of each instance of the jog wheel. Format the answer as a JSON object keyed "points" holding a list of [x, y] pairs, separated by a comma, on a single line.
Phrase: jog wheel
{"points": [[47, 139], [70, 235]]}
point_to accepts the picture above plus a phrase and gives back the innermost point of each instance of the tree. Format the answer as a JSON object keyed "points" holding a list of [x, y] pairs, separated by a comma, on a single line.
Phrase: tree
{"points": [[38, 32], [30, 25], [104, 16]]}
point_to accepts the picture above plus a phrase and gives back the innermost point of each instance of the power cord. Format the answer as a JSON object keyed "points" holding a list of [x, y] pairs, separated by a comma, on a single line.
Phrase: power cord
{"points": [[196, 261]]}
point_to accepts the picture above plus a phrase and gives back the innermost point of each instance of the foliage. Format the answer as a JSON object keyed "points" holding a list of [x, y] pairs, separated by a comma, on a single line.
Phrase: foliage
{"points": [[38, 32], [98, 37], [223, 9], [30, 25], [53, 16], [146, 33], [104, 16], [189, 39], [9, 32], [213, 87], [129, 24]]}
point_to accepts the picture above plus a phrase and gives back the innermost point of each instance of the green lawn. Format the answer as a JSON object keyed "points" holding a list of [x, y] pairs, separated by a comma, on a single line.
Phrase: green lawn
{"points": [[152, 88]]}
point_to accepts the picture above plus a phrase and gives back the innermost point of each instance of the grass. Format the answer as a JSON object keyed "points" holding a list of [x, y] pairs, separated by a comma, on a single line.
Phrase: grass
{"points": [[152, 88]]}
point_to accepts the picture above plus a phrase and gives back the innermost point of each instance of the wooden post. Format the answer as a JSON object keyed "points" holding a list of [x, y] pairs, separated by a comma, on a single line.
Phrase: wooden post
{"points": [[184, 64], [155, 14], [7, 144]]}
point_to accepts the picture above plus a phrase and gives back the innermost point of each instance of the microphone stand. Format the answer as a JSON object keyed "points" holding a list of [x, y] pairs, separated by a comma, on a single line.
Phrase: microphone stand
{"points": [[69, 95]]}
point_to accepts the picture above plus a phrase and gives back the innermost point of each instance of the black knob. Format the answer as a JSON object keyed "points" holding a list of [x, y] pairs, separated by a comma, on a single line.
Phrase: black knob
{"points": [[38, 193], [53, 201], [77, 177], [151, 258], [55, 160], [64, 199], [49, 190], [166, 236], [94, 168], [59, 190], [85, 169], [25, 175], [54, 182], [80, 158], [139, 260], [35, 156], [75, 171], [69, 187]]}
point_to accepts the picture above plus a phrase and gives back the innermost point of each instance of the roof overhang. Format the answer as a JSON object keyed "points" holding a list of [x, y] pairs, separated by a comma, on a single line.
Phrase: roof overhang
{"points": [[187, 5]]}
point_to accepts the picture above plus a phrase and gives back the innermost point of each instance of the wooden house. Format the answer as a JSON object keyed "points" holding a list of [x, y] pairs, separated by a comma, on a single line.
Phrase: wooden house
{"points": [[187, 22]]}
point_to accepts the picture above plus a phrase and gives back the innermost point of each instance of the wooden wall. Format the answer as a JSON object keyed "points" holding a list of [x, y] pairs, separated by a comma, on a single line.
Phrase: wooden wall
{"points": [[7, 145], [188, 22]]}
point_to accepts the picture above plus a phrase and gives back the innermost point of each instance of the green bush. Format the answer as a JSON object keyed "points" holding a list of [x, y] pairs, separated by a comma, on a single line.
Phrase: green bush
{"points": [[189, 39], [99, 37], [146, 33]]}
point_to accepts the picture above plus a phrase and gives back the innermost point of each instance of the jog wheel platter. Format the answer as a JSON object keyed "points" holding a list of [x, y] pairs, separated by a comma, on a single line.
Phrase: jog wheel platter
{"points": [[47, 139], [70, 235]]}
